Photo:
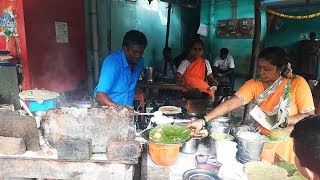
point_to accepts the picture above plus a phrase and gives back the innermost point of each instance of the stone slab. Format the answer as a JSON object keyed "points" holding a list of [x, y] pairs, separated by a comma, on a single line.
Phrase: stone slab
{"points": [[74, 149], [25, 127], [58, 169], [102, 125], [12, 146], [126, 150]]}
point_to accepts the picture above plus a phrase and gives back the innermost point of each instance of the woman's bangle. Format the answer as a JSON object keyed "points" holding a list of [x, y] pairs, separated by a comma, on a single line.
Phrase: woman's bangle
{"points": [[204, 121], [285, 124]]}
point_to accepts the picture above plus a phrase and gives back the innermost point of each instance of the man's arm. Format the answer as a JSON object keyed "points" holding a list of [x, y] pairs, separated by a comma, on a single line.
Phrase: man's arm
{"points": [[231, 66], [107, 79], [215, 67], [211, 80], [229, 71], [215, 71], [104, 99], [179, 78]]}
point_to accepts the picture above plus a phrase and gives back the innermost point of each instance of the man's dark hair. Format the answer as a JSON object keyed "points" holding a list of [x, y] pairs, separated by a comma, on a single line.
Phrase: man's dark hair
{"points": [[306, 137], [224, 51], [134, 37], [165, 50]]}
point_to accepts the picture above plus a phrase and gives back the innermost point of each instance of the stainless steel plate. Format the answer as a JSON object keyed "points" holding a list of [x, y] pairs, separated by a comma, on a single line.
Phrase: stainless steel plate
{"points": [[200, 174]]}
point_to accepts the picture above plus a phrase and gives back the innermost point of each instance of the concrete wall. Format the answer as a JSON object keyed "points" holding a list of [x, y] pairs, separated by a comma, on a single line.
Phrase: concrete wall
{"points": [[55, 66], [240, 49]]}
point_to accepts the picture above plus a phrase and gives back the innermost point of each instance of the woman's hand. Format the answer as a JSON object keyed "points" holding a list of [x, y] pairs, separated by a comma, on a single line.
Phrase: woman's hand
{"points": [[179, 79], [195, 126]]}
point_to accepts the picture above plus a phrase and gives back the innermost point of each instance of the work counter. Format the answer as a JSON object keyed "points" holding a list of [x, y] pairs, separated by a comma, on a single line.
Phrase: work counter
{"points": [[159, 85], [185, 162], [32, 165]]}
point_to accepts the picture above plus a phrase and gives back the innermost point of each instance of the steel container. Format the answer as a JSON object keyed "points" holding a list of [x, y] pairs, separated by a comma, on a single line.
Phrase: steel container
{"points": [[149, 73], [249, 150], [217, 127], [190, 146]]}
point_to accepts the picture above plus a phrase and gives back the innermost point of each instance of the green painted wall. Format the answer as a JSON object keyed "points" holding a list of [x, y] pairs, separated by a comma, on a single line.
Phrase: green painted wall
{"points": [[240, 49], [115, 18], [289, 33], [151, 20]]}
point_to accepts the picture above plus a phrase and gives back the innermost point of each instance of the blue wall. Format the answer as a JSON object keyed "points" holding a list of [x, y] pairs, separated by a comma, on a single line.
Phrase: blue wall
{"points": [[289, 33], [151, 20], [240, 49]]}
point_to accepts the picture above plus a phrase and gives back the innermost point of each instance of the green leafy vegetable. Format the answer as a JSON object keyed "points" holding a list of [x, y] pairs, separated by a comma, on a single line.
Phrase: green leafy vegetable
{"points": [[284, 136], [169, 134], [292, 170], [289, 167]]}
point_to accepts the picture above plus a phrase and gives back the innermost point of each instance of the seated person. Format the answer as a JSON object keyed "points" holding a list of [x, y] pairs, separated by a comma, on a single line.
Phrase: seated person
{"points": [[223, 66], [167, 60], [195, 73], [178, 59], [309, 54], [306, 143]]}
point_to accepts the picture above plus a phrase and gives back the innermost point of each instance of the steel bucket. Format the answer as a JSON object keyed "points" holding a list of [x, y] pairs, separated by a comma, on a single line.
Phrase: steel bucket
{"points": [[249, 150], [218, 127], [213, 143]]}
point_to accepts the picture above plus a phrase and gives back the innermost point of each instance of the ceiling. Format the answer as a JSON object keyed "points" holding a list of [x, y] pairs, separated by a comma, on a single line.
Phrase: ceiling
{"points": [[289, 2]]}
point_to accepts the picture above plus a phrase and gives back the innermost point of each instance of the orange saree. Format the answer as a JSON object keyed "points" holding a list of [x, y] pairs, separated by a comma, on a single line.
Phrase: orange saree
{"points": [[194, 77], [300, 101]]}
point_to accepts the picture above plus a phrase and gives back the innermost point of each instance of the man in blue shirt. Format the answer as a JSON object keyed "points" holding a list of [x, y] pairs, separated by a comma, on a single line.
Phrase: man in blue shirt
{"points": [[121, 70]]}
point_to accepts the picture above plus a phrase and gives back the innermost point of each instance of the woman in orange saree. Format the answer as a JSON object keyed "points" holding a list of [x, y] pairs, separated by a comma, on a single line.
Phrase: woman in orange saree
{"points": [[276, 91], [196, 72]]}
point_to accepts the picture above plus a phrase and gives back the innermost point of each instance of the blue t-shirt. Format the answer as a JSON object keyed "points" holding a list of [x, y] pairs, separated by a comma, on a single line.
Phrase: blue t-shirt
{"points": [[117, 80]]}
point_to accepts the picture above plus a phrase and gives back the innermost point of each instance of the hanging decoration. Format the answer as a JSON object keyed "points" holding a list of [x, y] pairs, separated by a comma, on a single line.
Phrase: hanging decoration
{"points": [[292, 16], [274, 23], [7, 23]]}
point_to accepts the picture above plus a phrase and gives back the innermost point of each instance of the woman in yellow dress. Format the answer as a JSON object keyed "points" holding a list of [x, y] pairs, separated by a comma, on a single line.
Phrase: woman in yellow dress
{"points": [[276, 91]]}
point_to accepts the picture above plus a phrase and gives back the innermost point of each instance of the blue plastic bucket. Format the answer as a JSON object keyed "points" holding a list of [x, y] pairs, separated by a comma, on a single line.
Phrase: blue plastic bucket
{"points": [[47, 104]]}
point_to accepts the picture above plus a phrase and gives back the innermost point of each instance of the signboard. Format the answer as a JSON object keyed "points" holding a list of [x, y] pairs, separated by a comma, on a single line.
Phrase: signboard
{"points": [[61, 32]]}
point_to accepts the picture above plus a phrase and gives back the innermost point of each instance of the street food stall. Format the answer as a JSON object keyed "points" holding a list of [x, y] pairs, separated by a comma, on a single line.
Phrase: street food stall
{"points": [[57, 142], [225, 149]]}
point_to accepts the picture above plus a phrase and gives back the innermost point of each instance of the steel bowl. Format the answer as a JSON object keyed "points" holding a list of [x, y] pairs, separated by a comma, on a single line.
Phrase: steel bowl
{"points": [[194, 174]]}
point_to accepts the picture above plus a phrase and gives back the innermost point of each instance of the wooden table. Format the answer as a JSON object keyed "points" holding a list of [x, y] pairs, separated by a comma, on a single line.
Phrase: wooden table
{"points": [[159, 85]]}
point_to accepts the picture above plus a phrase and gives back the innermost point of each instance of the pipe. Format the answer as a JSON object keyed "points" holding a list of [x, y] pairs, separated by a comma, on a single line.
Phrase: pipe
{"points": [[211, 29], [234, 7], [94, 39], [167, 35], [109, 25]]}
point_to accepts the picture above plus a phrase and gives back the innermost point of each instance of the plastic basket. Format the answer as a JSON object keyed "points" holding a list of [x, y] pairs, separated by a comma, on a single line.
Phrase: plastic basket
{"points": [[47, 104]]}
